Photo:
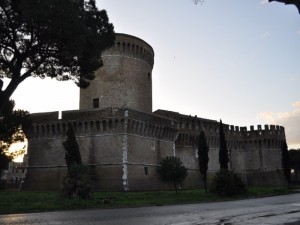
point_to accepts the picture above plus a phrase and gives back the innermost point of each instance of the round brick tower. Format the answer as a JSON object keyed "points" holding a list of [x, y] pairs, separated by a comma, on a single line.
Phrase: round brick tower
{"points": [[125, 80]]}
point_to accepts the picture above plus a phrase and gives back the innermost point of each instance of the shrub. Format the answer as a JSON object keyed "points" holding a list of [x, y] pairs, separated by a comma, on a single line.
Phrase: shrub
{"points": [[227, 183], [172, 171], [77, 183]]}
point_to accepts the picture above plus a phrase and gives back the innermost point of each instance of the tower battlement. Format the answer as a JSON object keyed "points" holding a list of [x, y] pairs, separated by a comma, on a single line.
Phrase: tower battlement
{"points": [[130, 46], [125, 80]]}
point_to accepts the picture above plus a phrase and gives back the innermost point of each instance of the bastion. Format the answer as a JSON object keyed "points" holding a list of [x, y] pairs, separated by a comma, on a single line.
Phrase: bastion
{"points": [[123, 141]]}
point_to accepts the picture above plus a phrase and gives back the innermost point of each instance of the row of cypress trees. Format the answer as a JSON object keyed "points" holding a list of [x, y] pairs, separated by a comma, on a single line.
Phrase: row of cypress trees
{"points": [[203, 150]]}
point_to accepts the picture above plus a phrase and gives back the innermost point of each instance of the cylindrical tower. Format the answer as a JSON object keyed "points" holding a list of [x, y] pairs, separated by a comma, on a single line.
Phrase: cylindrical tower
{"points": [[125, 80]]}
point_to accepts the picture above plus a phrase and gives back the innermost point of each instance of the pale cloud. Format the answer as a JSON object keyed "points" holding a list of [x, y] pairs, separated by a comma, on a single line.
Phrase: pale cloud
{"points": [[296, 104], [298, 32], [267, 116], [265, 34], [289, 120], [264, 2]]}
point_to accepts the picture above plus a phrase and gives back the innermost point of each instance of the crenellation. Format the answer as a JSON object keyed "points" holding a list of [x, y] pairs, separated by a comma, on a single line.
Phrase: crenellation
{"points": [[272, 127]]}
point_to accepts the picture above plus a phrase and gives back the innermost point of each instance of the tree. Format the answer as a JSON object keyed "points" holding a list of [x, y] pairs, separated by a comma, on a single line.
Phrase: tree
{"points": [[14, 126], [72, 152], [203, 157], [227, 183], [78, 182], [172, 171], [294, 158], [288, 2], [51, 38], [286, 162], [223, 152]]}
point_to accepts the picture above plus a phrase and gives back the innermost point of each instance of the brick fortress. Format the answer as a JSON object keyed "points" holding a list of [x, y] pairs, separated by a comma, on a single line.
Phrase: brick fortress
{"points": [[123, 140]]}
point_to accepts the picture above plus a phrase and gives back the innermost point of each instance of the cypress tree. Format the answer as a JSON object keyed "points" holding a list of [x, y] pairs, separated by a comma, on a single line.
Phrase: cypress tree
{"points": [[223, 152], [203, 157], [78, 182], [285, 160], [72, 153]]}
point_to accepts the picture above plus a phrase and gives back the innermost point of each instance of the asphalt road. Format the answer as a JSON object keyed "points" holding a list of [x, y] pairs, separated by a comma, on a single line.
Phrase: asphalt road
{"points": [[283, 209]]}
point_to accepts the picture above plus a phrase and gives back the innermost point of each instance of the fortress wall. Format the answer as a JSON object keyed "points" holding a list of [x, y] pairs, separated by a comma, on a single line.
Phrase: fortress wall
{"points": [[271, 178], [46, 152], [93, 122], [143, 158], [44, 179], [102, 153], [253, 152], [46, 163], [272, 157], [102, 149], [47, 116], [213, 164], [103, 141], [189, 157], [107, 136]]}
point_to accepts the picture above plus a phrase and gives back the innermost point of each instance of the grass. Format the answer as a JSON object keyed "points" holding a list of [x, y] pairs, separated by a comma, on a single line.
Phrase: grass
{"points": [[20, 202]]}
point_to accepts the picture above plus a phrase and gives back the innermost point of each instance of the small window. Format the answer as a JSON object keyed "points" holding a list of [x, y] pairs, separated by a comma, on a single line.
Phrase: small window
{"points": [[146, 170], [96, 103]]}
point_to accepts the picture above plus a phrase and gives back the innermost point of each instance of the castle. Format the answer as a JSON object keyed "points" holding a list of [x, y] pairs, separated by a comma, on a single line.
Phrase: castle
{"points": [[123, 140]]}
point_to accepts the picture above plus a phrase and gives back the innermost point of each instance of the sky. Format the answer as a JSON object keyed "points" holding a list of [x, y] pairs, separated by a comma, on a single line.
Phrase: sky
{"points": [[232, 60]]}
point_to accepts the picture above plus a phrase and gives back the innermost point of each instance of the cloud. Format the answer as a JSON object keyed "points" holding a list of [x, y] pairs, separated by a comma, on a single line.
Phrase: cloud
{"points": [[296, 104], [264, 2], [289, 120], [265, 34], [298, 32]]}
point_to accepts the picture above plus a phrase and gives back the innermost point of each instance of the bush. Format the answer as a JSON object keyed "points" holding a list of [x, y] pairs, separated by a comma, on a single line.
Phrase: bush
{"points": [[2, 184], [172, 171], [77, 183], [227, 183]]}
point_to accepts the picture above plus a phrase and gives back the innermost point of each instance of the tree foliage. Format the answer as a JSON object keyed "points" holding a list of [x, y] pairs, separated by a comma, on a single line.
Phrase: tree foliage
{"points": [[172, 171], [294, 158], [51, 38], [203, 157], [72, 152], [227, 183], [14, 126], [286, 162], [78, 182], [288, 2], [223, 152]]}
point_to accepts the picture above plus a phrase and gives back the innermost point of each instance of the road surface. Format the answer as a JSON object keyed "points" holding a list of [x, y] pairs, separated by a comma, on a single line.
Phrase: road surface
{"points": [[284, 209]]}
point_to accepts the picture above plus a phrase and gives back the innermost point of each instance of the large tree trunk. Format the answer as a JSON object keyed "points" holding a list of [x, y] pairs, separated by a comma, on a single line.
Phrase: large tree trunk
{"points": [[205, 182], [7, 93]]}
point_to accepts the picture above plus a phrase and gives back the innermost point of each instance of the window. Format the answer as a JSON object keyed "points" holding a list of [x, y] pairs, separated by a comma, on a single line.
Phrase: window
{"points": [[96, 103], [146, 170]]}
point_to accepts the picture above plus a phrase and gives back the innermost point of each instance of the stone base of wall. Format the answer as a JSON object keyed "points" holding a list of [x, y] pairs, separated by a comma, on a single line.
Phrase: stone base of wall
{"points": [[44, 179], [267, 178], [110, 178]]}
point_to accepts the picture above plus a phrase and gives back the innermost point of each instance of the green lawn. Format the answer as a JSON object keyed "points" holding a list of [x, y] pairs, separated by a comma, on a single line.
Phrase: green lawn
{"points": [[17, 202]]}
